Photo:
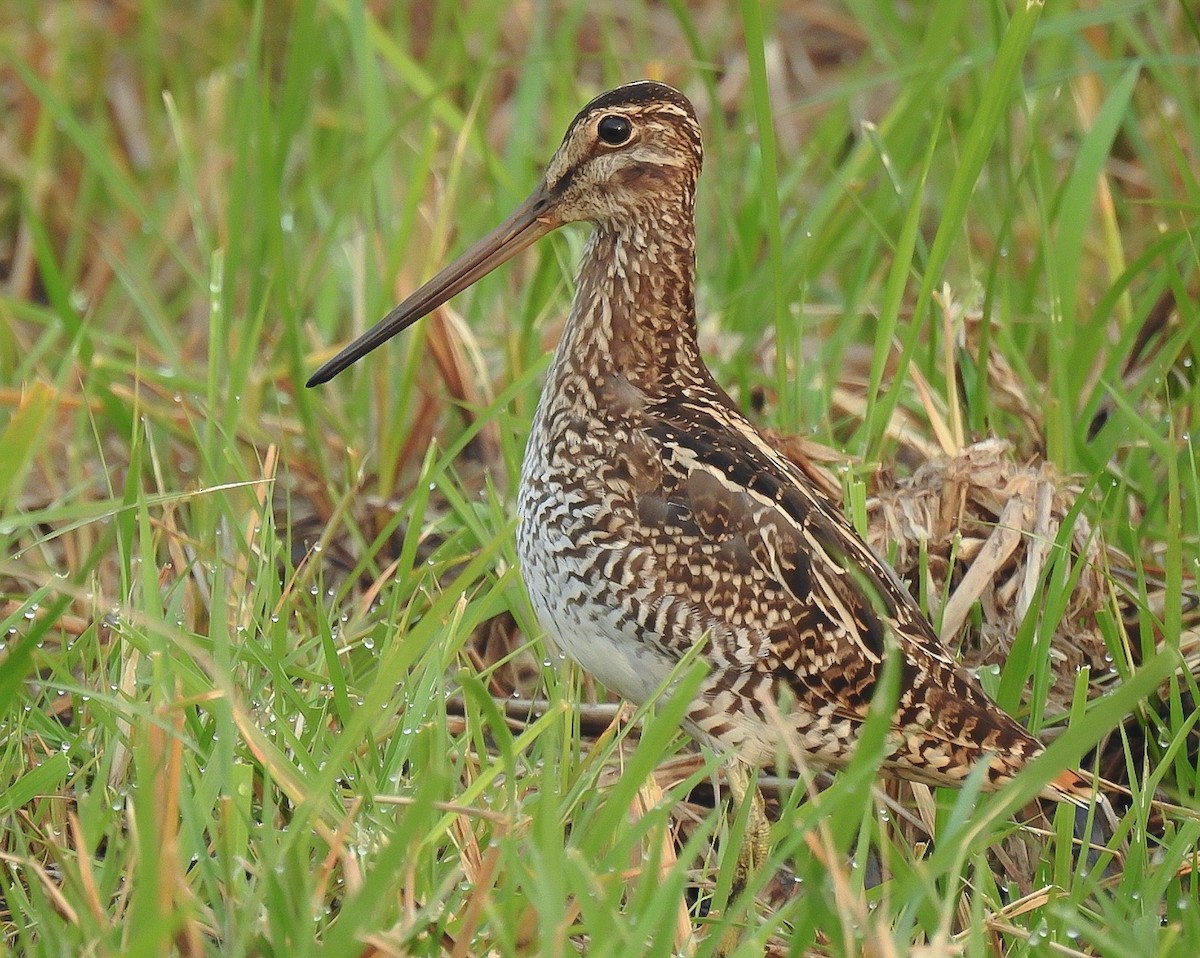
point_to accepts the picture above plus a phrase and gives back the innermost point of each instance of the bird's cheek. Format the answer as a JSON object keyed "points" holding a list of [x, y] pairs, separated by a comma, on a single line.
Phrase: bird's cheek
{"points": [[638, 177]]}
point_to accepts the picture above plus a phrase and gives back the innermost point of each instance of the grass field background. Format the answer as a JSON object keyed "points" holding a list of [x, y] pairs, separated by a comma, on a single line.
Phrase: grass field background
{"points": [[243, 706]]}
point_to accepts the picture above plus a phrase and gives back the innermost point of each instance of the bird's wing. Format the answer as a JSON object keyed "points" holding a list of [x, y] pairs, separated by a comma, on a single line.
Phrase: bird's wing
{"points": [[784, 586]]}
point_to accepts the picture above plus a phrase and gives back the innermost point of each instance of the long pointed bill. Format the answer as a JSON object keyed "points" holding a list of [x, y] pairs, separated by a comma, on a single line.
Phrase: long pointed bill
{"points": [[530, 221]]}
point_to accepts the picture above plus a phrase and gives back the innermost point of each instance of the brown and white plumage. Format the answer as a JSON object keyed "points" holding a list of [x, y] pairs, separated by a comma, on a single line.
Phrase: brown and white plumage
{"points": [[653, 515]]}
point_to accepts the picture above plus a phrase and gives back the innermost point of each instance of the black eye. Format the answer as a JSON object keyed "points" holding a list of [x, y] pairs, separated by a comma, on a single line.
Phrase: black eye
{"points": [[614, 130]]}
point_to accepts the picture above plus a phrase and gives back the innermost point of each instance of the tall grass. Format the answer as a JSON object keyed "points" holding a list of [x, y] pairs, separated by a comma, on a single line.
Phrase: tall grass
{"points": [[243, 707]]}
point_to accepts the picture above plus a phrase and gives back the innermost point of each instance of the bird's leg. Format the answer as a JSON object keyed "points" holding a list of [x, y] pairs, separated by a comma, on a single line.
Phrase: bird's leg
{"points": [[755, 845]]}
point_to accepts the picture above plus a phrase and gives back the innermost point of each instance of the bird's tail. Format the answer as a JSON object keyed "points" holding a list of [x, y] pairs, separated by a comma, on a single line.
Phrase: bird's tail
{"points": [[1076, 789], [1083, 791]]}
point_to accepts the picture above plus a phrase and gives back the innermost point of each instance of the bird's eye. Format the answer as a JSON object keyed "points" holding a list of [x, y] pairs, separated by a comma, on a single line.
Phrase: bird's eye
{"points": [[614, 130]]}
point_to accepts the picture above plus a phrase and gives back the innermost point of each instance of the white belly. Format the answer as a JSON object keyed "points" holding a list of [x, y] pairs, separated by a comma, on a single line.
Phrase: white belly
{"points": [[578, 607]]}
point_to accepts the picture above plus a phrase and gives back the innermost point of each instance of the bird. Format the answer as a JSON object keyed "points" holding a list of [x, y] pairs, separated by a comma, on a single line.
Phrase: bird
{"points": [[653, 515]]}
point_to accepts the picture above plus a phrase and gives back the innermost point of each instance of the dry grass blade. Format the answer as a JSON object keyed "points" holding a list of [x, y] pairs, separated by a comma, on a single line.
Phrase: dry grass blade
{"points": [[649, 796], [984, 526], [451, 342]]}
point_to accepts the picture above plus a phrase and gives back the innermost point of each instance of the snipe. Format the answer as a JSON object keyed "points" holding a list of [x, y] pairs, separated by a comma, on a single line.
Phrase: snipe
{"points": [[653, 515]]}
